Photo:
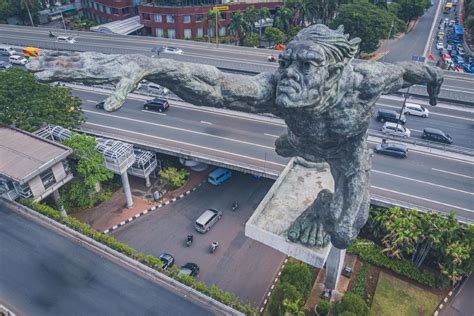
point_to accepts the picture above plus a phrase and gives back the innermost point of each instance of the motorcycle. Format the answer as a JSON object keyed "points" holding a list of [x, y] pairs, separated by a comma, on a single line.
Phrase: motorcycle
{"points": [[189, 240], [214, 246], [51, 35], [235, 206], [271, 59]]}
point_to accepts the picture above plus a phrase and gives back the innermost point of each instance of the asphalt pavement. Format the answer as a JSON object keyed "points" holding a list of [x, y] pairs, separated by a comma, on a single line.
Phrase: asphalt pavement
{"points": [[43, 272], [462, 304], [240, 265]]}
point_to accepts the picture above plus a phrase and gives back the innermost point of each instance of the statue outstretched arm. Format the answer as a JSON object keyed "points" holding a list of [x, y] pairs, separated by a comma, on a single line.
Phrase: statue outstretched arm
{"points": [[198, 84], [405, 74]]}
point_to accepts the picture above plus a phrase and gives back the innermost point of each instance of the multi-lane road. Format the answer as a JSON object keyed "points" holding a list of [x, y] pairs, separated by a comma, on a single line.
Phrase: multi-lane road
{"points": [[233, 58], [429, 180], [47, 272]]}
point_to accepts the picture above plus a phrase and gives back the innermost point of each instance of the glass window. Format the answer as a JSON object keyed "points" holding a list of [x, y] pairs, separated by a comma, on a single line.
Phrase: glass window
{"points": [[171, 33], [210, 32], [146, 16], [199, 32], [186, 19], [187, 33], [159, 32], [115, 11], [169, 18], [47, 178], [222, 31], [199, 17], [107, 10], [222, 15], [157, 17], [125, 11]]}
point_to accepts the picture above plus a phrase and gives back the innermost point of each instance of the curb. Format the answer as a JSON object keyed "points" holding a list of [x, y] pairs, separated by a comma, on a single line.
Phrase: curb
{"points": [[114, 255], [275, 281], [148, 210], [445, 300]]}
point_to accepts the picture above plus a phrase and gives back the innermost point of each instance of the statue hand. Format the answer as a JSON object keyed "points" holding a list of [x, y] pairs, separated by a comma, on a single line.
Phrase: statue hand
{"points": [[90, 67], [434, 86]]}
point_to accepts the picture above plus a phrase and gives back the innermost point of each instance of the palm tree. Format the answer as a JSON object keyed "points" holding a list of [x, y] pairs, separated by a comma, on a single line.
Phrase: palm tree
{"points": [[263, 14], [211, 22], [251, 17], [238, 27], [283, 19]]}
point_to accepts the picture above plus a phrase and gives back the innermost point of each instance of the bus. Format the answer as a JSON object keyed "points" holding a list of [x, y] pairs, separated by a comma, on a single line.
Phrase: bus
{"points": [[448, 7]]}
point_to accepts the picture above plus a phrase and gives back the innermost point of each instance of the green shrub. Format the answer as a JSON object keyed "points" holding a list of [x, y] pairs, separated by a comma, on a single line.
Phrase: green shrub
{"points": [[149, 260], [359, 283], [323, 307], [368, 251], [281, 292], [351, 303], [174, 177], [299, 275]]}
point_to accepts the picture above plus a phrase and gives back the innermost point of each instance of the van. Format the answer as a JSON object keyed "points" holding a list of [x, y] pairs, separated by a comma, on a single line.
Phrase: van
{"points": [[416, 109], [218, 176], [157, 104], [436, 135], [7, 50], [31, 52], [207, 219], [155, 88], [390, 116], [395, 129]]}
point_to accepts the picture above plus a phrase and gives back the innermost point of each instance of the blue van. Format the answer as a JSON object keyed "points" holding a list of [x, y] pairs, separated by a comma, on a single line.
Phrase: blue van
{"points": [[218, 176]]}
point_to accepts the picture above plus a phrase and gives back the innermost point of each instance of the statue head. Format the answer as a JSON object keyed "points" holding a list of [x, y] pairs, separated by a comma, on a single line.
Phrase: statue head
{"points": [[311, 66]]}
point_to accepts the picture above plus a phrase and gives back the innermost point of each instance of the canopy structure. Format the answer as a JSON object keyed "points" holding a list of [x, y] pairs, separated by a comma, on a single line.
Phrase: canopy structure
{"points": [[122, 27]]}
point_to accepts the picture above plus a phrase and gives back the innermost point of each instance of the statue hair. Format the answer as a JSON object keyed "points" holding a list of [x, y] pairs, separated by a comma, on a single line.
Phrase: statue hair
{"points": [[336, 44]]}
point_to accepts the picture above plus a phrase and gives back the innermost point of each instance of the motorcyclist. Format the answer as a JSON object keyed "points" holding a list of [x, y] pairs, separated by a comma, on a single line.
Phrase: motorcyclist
{"points": [[271, 58], [51, 34], [235, 205], [189, 240], [214, 245]]}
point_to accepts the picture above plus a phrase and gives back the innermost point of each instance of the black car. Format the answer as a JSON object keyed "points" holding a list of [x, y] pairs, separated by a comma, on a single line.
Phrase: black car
{"points": [[189, 268], [390, 116], [157, 104], [100, 105], [436, 135], [167, 260], [392, 149]]}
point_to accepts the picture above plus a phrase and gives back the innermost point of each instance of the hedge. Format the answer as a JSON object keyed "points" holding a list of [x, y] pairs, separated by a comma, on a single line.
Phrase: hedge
{"points": [[149, 260], [370, 252], [359, 283]]}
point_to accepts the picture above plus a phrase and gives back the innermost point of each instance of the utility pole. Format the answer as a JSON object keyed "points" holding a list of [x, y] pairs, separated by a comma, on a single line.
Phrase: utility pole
{"points": [[406, 95], [217, 35], [29, 13]]}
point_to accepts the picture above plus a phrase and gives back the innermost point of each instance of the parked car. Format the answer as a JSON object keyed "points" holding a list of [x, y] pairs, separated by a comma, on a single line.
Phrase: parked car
{"points": [[167, 260], [392, 149], [156, 88], [7, 50], [207, 219], [189, 268], [66, 38], [416, 109], [5, 65], [395, 129], [157, 104], [436, 135], [390, 116], [439, 45], [18, 60]]}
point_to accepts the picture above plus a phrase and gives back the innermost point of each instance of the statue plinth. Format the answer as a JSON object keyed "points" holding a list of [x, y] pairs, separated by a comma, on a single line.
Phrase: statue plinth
{"points": [[295, 189]]}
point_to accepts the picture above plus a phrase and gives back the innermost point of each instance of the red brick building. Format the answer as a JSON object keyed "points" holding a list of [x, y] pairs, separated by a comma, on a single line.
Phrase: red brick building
{"points": [[103, 11], [188, 18]]}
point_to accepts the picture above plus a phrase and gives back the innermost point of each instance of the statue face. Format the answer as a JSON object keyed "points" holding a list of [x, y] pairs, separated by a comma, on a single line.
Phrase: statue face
{"points": [[302, 75]]}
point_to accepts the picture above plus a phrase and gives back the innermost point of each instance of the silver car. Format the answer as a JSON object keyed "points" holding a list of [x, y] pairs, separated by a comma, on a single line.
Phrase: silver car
{"points": [[395, 129]]}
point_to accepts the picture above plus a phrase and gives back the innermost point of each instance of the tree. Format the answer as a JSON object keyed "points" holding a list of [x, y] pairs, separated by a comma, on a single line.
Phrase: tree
{"points": [[87, 166], [299, 275], [263, 14], [274, 35], [174, 177], [282, 20], [352, 304], [368, 22], [28, 104], [323, 307], [283, 291], [251, 17], [238, 27], [252, 40], [211, 21], [412, 9]]}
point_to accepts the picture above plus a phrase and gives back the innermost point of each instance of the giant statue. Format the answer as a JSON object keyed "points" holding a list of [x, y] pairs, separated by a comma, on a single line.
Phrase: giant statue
{"points": [[325, 100]]}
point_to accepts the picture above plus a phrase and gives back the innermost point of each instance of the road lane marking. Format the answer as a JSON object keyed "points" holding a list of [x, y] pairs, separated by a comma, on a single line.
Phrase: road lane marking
{"points": [[179, 129], [424, 199], [189, 144], [453, 173], [91, 101], [421, 181], [271, 135], [431, 113], [152, 112], [204, 122]]}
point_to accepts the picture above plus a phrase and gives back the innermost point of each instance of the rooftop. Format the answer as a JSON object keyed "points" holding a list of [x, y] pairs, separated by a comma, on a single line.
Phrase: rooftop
{"points": [[122, 27], [24, 155]]}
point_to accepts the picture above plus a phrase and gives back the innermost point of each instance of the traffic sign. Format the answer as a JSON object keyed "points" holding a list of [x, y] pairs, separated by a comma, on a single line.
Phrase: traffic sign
{"points": [[418, 58], [221, 8]]}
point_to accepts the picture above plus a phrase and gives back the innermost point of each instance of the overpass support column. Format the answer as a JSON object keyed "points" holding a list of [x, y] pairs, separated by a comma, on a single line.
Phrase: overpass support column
{"points": [[56, 199], [334, 264], [126, 189], [147, 181]]}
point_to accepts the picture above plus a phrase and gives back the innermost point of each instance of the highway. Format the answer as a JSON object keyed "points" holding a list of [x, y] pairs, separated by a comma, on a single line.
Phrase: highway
{"points": [[45, 272], [227, 57], [427, 180]]}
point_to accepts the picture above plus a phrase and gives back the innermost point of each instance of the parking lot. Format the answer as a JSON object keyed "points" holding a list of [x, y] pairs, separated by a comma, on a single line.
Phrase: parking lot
{"points": [[240, 265]]}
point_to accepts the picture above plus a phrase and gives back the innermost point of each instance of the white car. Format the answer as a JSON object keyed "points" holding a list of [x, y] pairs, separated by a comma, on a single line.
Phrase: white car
{"points": [[416, 109], [65, 38], [173, 50], [395, 129], [18, 60], [439, 45]]}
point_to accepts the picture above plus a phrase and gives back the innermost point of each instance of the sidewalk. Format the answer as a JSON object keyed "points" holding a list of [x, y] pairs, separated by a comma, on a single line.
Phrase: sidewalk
{"points": [[113, 211]]}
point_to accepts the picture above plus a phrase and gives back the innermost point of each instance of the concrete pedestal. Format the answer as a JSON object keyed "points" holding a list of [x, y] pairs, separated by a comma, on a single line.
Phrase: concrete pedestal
{"points": [[126, 189], [334, 265]]}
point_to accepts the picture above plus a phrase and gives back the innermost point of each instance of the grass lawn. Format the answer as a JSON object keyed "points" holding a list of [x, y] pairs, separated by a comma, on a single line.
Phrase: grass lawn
{"points": [[396, 297]]}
